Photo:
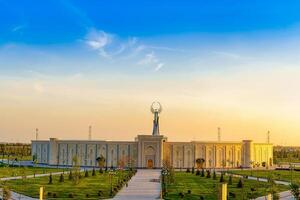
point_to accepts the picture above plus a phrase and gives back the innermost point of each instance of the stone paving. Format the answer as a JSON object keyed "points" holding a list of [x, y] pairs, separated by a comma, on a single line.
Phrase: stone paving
{"points": [[144, 185]]}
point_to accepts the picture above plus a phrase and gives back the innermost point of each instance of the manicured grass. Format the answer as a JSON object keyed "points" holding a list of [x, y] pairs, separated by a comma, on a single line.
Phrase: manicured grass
{"points": [[284, 175], [20, 171], [87, 185], [208, 188], [11, 158]]}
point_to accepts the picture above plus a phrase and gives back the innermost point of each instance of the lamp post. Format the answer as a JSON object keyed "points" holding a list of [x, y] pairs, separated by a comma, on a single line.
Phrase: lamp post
{"points": [[110, 174], [164, 173]]}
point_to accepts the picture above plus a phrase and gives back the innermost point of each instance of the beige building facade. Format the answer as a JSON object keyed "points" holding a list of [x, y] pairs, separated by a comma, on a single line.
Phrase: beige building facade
{"points": [[150, 151]]}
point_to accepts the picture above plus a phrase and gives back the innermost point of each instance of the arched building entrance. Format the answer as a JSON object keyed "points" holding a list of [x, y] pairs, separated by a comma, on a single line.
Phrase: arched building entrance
{"points": [[149, 163]]}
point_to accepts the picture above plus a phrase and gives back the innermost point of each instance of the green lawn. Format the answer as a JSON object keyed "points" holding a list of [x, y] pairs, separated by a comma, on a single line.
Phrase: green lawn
{"points": [[19, 171], [12, 158], [284, 175], [208, 188], [87, 185]]}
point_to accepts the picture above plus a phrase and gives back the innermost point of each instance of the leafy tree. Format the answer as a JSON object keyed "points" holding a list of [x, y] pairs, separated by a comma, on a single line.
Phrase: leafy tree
{"points": [[76, 170], [295, 190], [202, 173], [50, 179], [86, 174], [200, 162], [214, 175], [240, 183], [61, 178], [6, 193], [208, 174], [230, 180], [70, 175], [222, 178], [101, 162]]}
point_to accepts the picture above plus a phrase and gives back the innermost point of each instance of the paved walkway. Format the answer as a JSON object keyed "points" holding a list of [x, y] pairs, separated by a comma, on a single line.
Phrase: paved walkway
{"points": [[144, 185], [286, 195]]}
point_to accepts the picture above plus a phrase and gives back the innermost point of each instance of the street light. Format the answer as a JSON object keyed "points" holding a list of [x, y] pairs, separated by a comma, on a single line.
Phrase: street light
{"points": [[110, 175], [164, 185]]}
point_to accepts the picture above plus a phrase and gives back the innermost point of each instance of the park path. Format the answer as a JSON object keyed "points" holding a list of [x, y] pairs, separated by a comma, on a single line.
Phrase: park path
{"points": [[145, 185], [29, 176], [286, 195]]}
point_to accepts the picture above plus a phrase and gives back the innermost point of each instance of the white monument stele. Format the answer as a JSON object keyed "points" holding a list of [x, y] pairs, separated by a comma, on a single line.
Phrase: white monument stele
{"points": [[151, 150]]}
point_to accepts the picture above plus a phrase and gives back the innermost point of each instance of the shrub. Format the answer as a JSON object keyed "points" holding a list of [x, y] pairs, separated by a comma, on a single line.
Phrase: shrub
{"points": [[222, 178], [50, 179], [193, 170], [230, 180], [188, 170], [295, 190], [49, 194], [197, 172], [71, 195], [214, 175], [201, 197], [101, 170], [231, 194], [6, 193], [208, 174], [86, 174], [94, 172], [54, 195], [61, 178], [100, 193], [240, 184], [202, 173], [70, 175], [181, 195], [189, 192], [87, 196]]}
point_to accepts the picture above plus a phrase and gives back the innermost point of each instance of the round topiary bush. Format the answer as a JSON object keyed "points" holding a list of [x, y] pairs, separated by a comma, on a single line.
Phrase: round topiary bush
{"points": [[181, 195], [71, 195]]}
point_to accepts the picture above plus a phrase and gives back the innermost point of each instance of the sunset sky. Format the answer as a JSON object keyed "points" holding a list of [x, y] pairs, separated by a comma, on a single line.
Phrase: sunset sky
{"points": [[65, 65]]}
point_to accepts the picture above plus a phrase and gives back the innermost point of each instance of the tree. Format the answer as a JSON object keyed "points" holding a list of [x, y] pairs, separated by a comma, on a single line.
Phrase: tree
{"points": [[222, 178], [214, 175], [295, 190], [101, 162], [94, 172], [207, 173], [61, 178], [76, 170], [50, 179], [240, 184], [230, 180], [202, 173], [6, 193], [200, 163], [86, 174], [70, 175]]}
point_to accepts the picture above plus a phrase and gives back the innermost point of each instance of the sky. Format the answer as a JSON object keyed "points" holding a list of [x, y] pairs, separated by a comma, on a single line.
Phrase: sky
{"points": [[65, 65]]}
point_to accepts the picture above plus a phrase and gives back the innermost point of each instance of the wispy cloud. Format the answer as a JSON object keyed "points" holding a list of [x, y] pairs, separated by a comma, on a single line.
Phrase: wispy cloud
{"points": [[151, 59], [109, 45], [18, 28], [99, 40]]}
